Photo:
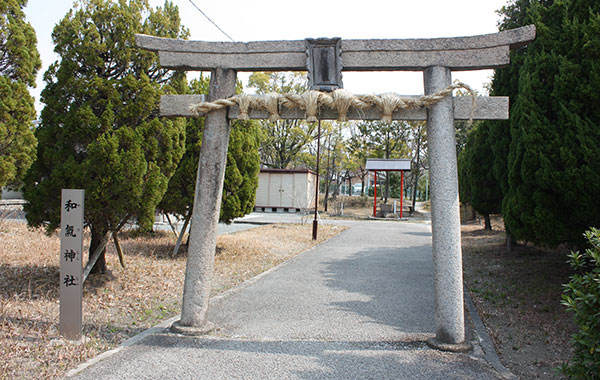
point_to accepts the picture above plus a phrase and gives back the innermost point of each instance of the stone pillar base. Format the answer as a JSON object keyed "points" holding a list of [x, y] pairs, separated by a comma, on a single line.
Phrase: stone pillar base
{"points": [[450, 347], [205, 329]]}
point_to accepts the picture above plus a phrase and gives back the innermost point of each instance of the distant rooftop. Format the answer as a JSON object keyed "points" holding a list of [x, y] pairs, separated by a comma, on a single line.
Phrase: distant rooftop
{"points": [[396, 164]]}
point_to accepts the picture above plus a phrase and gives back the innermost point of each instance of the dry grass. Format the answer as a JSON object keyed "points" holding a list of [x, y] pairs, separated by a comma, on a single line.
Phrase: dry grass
{"points": [[121, 303], [518, 297]]}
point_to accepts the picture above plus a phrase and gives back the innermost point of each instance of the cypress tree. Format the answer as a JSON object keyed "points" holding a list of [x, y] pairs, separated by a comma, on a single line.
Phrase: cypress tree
{"points": [[478, 185], [506, 83], [99, 128], [241, 171], [19, 63], [553, 170]]}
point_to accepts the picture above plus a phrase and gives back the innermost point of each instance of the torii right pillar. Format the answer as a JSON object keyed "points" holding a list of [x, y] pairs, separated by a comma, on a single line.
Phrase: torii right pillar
{"points": [[445, 216]]}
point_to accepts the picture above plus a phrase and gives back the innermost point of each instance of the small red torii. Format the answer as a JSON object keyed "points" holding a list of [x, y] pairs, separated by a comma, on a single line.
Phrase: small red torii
{"points": [[388, 165]]}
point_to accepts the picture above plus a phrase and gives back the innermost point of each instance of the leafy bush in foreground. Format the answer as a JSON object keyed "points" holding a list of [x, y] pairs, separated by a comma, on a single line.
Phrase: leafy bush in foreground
{"points": [[581, 296]]}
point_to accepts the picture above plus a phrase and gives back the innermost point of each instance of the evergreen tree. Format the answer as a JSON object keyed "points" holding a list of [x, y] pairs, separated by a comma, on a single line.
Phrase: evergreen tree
{"points": [[553, 170], [241, 171], [19, 63], [99, 129], [478, 185]]}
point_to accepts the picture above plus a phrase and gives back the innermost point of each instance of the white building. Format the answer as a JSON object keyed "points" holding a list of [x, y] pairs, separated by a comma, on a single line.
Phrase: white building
{"points": [[285, 190]]}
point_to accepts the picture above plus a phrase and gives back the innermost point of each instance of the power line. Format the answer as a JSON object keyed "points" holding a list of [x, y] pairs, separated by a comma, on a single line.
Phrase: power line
{"points": [[208, 18]]}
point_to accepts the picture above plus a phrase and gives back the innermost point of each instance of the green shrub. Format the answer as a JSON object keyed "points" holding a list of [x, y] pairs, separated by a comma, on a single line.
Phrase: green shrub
{"points": [[380, 190], [581, 296]]}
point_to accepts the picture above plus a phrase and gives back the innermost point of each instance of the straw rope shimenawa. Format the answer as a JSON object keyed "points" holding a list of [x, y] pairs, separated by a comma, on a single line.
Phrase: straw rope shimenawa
{"points": [[340, 100]]}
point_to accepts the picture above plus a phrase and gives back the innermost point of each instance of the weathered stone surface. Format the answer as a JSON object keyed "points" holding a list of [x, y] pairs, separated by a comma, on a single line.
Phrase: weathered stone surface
{"points": [[445, 215], [514, 38], [207, 204], [468, 59], [179, 105], [487, 108], [457, 53], [239, 62], [416, 60], [170, 44]]}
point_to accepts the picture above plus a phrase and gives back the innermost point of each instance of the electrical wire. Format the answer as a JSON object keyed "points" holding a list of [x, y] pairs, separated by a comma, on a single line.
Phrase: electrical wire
{"points": [[208, 18]]}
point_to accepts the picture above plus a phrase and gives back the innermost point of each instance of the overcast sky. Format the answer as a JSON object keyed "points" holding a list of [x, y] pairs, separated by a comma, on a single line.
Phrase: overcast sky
{"points": [[257, 20]]}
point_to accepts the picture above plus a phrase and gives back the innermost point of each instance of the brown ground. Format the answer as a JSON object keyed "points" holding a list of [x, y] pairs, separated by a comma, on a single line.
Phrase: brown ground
{"points": [[518, 296], [121, 303]]}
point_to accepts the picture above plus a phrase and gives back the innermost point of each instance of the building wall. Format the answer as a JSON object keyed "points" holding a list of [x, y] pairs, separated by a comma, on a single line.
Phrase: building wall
{"points": [[288, 189]]}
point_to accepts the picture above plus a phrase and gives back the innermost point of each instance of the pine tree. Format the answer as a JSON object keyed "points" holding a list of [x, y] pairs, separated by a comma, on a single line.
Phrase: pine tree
{"points": [[99, 128], [19, 63]]}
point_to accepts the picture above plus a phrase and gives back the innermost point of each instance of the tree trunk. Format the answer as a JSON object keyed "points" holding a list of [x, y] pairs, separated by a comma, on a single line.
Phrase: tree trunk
{"points": [[327, 176], [180, 236], [387, 187], [487, 222], [327, 184], [187, 241], [414, 194], [416, 170], [337, 180], [511, 242], [97, 236], [119, 250]]}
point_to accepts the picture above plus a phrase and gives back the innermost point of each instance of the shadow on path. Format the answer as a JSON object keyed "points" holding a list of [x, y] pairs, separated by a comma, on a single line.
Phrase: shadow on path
{"points": [[395, 286]]}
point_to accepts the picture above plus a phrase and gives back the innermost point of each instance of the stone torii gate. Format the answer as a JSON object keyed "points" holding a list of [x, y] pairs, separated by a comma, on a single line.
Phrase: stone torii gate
{"points": [[436, 58]]}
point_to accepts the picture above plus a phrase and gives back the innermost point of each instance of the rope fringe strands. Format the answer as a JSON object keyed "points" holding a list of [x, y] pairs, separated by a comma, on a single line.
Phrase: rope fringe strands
{"points": [[340, 100], [270, 102], [311, 105], [244, 102]]}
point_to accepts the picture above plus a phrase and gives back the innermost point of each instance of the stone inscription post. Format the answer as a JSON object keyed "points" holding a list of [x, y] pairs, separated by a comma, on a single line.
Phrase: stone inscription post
{"points": [[71, 247], [436, 58]]}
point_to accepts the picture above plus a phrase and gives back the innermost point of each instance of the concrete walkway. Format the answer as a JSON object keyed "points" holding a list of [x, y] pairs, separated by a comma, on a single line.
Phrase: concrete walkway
{"points": [[359, 306]]}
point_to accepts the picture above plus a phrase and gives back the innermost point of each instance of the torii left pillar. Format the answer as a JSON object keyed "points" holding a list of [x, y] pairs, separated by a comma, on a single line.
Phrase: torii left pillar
{"points": [[205, 215]]}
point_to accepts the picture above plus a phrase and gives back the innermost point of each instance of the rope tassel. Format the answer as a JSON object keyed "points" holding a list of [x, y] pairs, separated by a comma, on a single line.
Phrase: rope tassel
{"points": [[342, 100], [270, 102], [244, 102]]}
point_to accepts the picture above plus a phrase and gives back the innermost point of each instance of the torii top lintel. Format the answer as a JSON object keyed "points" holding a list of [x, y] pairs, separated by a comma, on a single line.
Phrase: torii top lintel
{"points": [[457, 53]]}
